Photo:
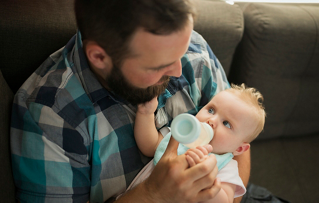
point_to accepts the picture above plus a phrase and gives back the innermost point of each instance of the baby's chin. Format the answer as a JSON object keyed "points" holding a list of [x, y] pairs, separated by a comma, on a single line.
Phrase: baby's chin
{"points": [[217, 151]]}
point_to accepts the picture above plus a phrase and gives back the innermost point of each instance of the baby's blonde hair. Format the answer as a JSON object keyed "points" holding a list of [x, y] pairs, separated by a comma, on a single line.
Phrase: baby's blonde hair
{"points": [[255, 99]]}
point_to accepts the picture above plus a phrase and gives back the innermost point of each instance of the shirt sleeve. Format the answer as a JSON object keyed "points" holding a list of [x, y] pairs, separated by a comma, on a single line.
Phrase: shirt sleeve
{"points": [[48, 165], [229, 174]]}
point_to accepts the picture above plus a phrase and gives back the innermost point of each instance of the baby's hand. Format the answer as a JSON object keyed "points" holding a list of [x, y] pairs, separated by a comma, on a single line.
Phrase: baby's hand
{"points": [[198, 154], [148, 107]]}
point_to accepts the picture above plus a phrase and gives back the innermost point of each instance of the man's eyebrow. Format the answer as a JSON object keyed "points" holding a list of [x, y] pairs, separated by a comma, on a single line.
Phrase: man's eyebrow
{"points": [[160, 67]]}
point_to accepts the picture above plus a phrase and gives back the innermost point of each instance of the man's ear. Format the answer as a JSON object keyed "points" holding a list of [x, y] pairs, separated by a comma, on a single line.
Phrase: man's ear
{"points": [[97, 56], [241, 149]]}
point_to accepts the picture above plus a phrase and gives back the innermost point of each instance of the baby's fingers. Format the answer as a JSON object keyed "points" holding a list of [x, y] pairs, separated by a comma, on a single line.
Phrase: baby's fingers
{"points": [[205, 149], [190, 161], [196, 155]]}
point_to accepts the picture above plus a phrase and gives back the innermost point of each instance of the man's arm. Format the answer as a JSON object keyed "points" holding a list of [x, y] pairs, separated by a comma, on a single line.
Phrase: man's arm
{"points": [[244, 169], [45, 161]]}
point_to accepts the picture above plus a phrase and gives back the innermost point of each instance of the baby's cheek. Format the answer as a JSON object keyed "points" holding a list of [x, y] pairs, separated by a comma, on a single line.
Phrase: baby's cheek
{"points": [[200, 116]]}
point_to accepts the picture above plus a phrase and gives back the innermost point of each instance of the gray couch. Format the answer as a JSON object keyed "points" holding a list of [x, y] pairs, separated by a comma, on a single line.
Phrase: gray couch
{"points": [[273, 47]]}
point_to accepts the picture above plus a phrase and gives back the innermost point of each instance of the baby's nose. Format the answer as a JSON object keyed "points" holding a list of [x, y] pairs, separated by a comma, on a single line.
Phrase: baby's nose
{"points": [[209, 122]]}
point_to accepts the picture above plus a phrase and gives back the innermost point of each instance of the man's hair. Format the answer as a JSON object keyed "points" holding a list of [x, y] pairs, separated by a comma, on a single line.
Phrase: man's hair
{"points": [[255, 99], [112, 23]]}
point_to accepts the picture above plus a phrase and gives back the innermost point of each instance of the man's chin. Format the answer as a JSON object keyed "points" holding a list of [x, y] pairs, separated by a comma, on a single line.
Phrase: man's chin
{"points": [[145, 95], [133, 95]]}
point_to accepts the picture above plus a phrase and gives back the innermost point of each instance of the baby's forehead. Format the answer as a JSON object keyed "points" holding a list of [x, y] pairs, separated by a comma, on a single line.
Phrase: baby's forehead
{"points": [[235, 102], [240, 96], [225, 94]]}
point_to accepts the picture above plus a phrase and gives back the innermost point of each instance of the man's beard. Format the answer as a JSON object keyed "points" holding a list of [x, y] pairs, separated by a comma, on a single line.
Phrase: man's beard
{"points": [[120, 86]]}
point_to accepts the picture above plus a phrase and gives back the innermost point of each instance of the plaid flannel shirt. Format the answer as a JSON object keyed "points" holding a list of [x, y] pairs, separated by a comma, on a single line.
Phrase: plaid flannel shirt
{"points": [[73, 141]]}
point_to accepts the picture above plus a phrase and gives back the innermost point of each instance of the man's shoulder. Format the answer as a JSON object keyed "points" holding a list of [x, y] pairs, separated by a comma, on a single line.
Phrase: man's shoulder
{"points": [[198, 52], [197, 38], [52, 84], [197, 43]]}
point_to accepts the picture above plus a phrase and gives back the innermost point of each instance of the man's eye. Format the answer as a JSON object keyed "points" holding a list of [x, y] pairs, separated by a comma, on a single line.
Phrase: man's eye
{"points": [[212, 111], [227, 124], [158, 69]]}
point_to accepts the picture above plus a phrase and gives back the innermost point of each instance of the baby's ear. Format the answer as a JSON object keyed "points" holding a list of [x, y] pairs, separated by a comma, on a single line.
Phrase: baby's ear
{"points": [[241, 149]]}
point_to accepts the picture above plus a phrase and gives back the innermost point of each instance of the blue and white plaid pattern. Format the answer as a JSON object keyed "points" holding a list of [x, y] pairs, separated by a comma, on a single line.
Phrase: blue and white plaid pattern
{"points": [[73, 141]]}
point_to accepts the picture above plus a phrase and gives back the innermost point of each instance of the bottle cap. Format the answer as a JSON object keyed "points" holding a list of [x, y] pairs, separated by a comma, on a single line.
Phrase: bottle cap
{"points": [[185, 128]]}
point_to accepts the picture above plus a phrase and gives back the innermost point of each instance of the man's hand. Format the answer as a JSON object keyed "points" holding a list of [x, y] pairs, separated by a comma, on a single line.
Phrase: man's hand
{"points": [[173, 181]]}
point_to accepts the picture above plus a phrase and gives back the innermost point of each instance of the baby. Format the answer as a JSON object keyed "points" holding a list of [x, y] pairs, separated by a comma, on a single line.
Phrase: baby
{"points": [[236, 116]]}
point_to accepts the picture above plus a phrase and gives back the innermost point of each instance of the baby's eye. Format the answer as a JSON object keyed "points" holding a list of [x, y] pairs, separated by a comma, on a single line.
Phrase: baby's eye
{"points": [[227, 124], [212, 111]]}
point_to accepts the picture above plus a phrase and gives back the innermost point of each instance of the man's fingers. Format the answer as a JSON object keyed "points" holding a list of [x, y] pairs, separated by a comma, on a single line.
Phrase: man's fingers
{"points": [[207, 180], [211, 192], [204, 168], [171, 149]]}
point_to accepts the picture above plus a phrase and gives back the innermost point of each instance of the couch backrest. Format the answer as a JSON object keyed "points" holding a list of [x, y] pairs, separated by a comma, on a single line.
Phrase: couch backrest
{"points": [[279, 55], [29, 33], [222, 26]]}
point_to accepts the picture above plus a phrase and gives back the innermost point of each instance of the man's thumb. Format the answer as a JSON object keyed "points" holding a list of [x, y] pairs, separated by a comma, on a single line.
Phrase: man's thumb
{"points": [[171, 148]]}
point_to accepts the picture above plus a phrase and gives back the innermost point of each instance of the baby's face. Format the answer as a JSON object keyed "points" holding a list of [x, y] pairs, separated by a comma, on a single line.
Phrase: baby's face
{"points": [[232, 120]]}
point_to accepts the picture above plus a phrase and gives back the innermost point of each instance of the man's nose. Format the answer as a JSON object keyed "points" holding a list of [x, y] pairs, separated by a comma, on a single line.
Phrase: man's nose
{"points": [[175, 69]]}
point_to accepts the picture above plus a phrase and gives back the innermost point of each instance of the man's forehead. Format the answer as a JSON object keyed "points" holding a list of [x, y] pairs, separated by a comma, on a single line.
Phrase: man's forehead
{"points": [[153, 51], [145, 39]]}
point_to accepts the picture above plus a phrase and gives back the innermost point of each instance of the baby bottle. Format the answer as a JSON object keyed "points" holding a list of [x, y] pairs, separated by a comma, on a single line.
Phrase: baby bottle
{"points": [[186, 129]]}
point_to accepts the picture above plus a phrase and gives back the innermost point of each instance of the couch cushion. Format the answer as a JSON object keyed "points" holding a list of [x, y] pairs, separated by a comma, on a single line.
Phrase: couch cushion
{"points": [[279, 56], [30, 32], [288, 167], [222, 26], [6, 187]]}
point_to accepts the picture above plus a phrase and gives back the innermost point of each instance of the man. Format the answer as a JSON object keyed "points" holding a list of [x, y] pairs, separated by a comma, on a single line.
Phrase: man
{"points": [[72, 123]]}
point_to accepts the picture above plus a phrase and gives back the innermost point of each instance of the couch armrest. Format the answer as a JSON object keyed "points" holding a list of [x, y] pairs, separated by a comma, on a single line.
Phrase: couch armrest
{"points": [[7, 189]]}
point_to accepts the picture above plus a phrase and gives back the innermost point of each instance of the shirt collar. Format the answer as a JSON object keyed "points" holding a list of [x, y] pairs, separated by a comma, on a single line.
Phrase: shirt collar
{"points": [[81, 69]]}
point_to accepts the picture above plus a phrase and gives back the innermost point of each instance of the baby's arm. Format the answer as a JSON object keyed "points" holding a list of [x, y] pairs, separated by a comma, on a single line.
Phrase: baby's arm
{"points": [[227, 191], [146, 135]]}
